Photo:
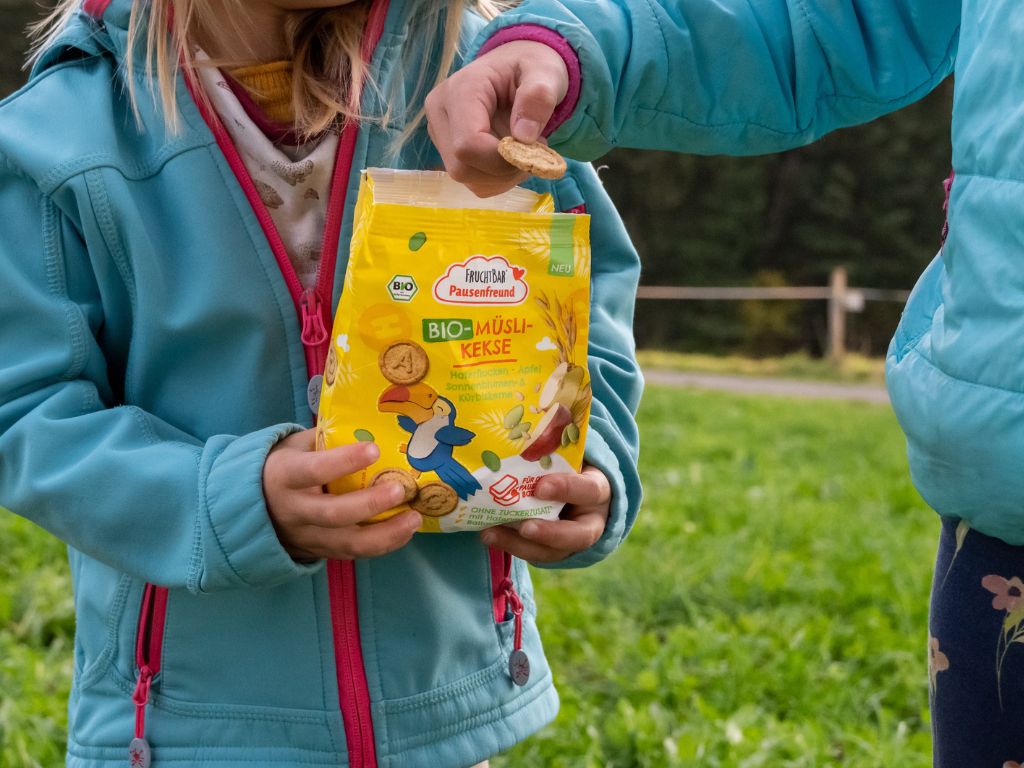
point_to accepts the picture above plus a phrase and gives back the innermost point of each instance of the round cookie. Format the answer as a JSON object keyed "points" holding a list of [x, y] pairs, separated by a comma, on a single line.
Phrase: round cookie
{"points": [[403, 362], [401, 477], [331, 367], [538, 159], [435, 500]]}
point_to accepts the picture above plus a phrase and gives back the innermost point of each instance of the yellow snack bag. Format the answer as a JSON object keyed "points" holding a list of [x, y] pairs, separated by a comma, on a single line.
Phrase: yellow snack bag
{"points": [[460, 348]]}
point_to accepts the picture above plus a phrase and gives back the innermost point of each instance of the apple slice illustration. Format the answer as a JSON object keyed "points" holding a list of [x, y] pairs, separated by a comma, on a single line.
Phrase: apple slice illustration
{"points": [[562, 387], [547, 436]]}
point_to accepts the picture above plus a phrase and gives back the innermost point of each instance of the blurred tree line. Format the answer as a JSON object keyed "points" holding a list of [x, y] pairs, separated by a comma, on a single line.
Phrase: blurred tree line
{"points": [[869, 198]]}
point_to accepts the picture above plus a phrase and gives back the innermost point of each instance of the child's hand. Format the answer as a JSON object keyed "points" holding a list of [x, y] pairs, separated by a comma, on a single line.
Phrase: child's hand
{"points": [[579, 526], [312, 523], [513, 89]]}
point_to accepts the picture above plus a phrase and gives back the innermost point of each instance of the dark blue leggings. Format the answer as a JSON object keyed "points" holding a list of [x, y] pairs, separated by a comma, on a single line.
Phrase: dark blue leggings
{"points": [[976, 651]]}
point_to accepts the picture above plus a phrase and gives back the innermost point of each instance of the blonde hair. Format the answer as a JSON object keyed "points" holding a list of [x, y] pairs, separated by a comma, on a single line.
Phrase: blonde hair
{"points": [[329, 74]]}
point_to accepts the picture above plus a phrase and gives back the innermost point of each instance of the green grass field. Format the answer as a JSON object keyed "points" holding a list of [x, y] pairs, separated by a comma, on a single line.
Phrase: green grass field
{"points": [[854, 369], [769, 608]]}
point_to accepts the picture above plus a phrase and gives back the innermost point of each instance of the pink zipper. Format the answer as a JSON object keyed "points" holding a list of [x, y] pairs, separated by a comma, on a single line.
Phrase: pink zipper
{"points": [[505, 598], [148, 647], [313, 307], [353, 692], [501, 568]]}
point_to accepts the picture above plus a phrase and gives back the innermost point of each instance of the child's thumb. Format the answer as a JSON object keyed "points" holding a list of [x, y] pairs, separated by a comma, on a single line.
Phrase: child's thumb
{"points": [[535, 101]]}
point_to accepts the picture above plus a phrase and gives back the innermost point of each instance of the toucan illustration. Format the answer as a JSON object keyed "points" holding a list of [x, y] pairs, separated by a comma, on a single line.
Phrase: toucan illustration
{"points": [[430, 420]]}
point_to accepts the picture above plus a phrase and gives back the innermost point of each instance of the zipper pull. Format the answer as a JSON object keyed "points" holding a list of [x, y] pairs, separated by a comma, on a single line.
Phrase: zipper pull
{"points": [[518, 661], [138, 749], [314, 332]]}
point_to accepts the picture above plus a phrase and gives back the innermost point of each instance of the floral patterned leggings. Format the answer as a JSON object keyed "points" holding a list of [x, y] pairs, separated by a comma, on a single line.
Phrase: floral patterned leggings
{"points": [[976, 651]]}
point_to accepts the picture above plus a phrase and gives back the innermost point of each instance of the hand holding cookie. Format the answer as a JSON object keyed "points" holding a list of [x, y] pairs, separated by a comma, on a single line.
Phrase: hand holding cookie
{"points": [[510, 91], [579, 526], [311, 523]]}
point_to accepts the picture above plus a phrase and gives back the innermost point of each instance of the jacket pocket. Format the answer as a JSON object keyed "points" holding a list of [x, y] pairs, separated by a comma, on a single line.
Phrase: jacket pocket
{"points": [[246, 648], [149, 641], [102, 603], [508, 607]]}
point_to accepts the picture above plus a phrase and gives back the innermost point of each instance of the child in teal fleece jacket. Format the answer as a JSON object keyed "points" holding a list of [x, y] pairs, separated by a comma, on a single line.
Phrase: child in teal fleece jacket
{"points": [[160, 333]]}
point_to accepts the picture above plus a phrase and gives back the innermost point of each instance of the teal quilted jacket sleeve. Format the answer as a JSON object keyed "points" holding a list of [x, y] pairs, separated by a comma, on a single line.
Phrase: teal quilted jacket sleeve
{"points": [[739, 76]]}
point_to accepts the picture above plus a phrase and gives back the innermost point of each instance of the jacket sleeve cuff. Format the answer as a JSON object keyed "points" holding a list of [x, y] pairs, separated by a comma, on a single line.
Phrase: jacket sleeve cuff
{"points": [[243, 548], [540, 34], [623, 509]]}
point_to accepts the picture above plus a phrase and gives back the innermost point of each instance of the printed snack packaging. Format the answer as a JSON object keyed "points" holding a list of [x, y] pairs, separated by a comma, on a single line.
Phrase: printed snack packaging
{"points": [[460, 348]]}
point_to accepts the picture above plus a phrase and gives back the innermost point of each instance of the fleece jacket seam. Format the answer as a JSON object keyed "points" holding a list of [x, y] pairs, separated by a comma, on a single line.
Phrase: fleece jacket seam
{"points": [[498, 714], [300, 755], [106, 656], [220, 711], [207, 513], [967, 382]]}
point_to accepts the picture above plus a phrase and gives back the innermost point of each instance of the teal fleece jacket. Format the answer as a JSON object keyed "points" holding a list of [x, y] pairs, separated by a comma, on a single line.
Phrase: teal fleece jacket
{"points": [[755, 76], [140, 299]]}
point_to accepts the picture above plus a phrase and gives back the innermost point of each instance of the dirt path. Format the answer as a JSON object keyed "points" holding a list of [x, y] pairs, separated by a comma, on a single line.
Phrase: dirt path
{"points": [[750, 385]]}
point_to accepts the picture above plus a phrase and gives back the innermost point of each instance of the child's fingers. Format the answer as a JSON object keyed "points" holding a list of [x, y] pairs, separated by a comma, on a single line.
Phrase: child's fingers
{"points": [[308, 469], [472, 158], [573, 535], [356, 543], [474, 146], [547, 541], [327, 510], [460, 121], [465, 140], [589, 488], [509, 540], [535, 102]]}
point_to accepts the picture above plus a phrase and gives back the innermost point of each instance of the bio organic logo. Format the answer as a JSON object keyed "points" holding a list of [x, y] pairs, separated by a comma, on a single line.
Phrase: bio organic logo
{"points": [[402, 287], [482, 280]]}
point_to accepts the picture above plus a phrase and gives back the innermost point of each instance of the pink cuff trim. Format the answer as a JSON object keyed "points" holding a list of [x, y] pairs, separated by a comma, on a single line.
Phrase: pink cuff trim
{"points": [[538, 34], [95, 8]]}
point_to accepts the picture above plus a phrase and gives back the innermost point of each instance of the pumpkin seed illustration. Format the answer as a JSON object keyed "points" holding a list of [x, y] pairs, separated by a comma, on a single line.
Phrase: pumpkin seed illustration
{"points": [[545, 462], [363, 436], [521, 430], [416, 241], [491, 460], [514, 416]]}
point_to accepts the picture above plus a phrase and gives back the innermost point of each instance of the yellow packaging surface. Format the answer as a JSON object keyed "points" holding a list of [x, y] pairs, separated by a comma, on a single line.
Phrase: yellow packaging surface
{"points": [[459, 347]]}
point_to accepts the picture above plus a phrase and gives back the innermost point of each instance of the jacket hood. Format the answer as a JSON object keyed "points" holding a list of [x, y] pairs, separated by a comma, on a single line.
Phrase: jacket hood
{"points": [[99, 27]]}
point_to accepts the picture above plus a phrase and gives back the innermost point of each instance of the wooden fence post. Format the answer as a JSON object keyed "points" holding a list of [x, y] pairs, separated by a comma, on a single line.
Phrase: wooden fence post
{"points": [[837, 316]]}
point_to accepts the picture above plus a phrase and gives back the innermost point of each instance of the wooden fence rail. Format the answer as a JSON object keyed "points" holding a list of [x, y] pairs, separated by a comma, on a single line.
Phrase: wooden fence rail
{"points": [[840, 296]]}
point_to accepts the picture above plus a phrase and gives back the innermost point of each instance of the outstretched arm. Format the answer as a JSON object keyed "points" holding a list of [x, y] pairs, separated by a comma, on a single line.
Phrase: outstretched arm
{"points": [[700, 76]]}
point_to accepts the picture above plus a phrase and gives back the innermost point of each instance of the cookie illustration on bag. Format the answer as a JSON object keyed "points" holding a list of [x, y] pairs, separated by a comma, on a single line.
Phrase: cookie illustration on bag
{"points": [[435, 500], [400, 476], [404, 362]]}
